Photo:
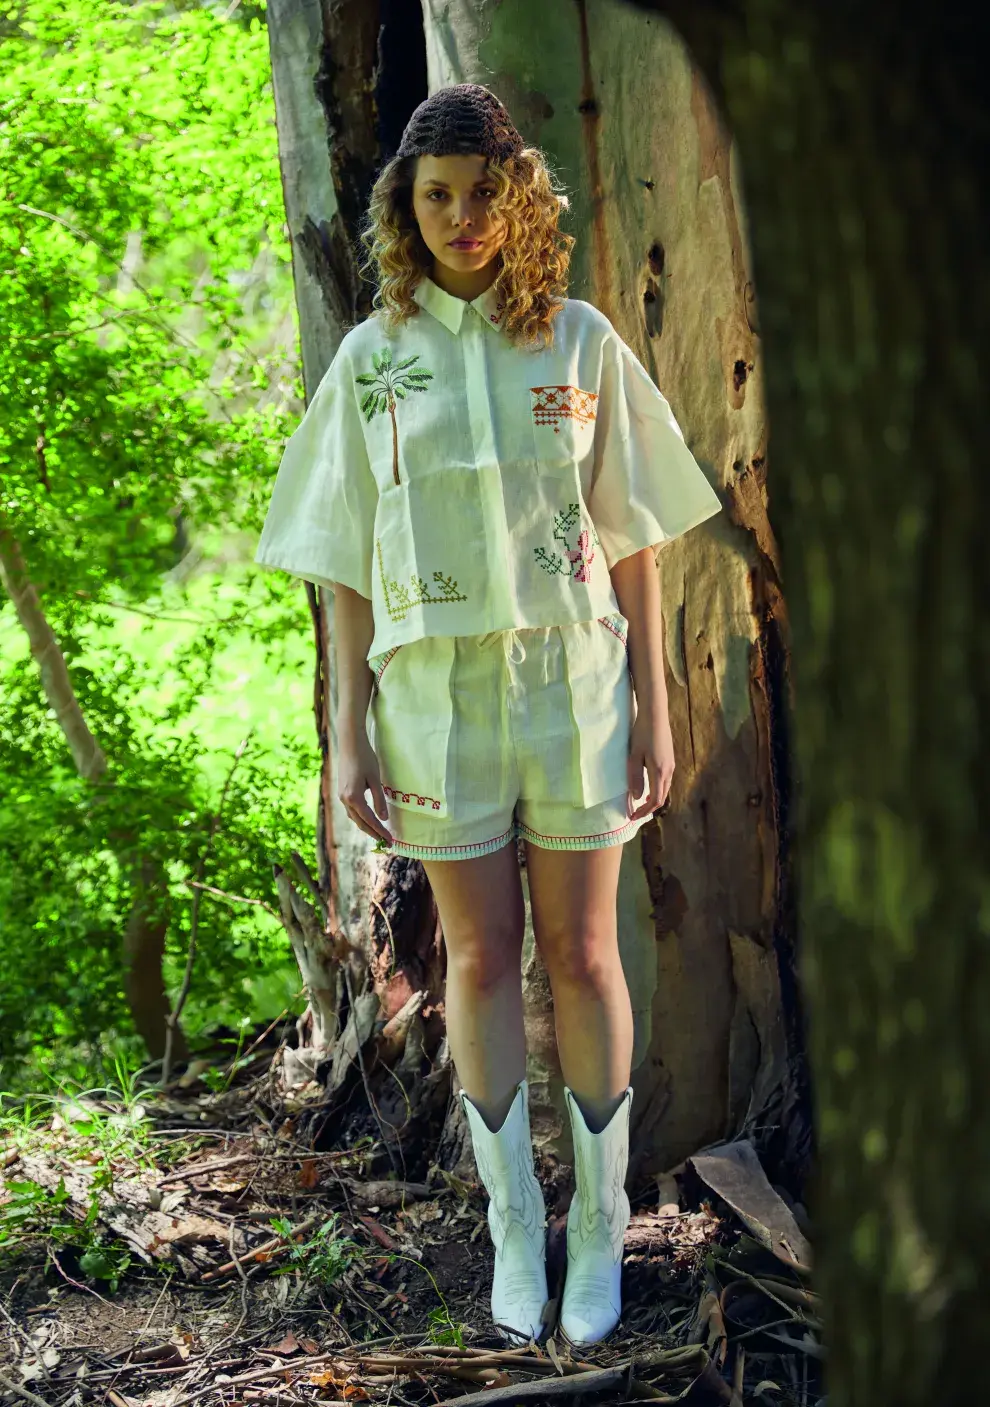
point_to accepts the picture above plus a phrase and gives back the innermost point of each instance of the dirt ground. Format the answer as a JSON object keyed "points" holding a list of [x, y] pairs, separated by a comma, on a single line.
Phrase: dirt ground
{"points": [[149, 1266]]}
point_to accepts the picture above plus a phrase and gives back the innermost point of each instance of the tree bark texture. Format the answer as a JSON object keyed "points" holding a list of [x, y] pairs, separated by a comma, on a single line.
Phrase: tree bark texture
{"points": [[630, 127], [863, 132], [662, 251], [324, 63]]}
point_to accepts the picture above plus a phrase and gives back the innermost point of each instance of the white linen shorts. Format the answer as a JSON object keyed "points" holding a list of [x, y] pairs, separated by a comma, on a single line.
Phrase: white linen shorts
{"points": [[483, 738]]}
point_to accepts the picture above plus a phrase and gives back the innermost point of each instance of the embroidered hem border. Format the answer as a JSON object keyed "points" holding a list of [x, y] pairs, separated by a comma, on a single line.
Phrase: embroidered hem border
{"points": [[601, 841]]}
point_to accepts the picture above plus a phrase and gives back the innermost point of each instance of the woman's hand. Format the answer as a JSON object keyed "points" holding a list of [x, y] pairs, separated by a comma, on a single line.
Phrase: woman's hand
{"points": [[358, 773], [651, 749]]}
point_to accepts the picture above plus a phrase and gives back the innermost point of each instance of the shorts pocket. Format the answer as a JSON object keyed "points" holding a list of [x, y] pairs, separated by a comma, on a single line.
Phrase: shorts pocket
{"points": [[618, 625], [378, 665], [410, 713], [600, 689]]}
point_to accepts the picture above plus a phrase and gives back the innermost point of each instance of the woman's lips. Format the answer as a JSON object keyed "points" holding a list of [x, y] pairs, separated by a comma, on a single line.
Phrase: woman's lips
{"points": [[465, 243]]}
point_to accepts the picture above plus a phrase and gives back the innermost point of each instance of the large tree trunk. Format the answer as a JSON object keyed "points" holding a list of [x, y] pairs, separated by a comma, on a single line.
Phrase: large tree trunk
{"points": [[662, 251], [613, 99], [864, 138]]}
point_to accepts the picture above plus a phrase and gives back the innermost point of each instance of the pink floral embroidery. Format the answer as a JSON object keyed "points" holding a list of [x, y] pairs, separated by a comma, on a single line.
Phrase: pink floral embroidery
{"points": [[574, 562], [581, 558]]}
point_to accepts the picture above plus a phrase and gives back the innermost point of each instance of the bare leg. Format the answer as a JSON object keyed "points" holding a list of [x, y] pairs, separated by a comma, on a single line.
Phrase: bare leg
{"points": [[572, 897], [481, 909]]}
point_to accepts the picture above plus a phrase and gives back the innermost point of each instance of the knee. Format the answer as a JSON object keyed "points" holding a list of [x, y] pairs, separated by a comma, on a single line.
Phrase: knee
{"points": [[583, 956], [483, 958]]}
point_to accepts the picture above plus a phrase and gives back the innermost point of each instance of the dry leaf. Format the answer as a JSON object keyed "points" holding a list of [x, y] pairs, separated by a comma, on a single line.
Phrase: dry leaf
{"points": [[342, 1385], [380, 1235], [309, 1174]]}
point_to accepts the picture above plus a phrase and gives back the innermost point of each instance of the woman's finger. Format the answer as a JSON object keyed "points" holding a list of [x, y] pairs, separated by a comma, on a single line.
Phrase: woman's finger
{"points": [[378, 798], [634, 780], [650, 802], [365, 819]]}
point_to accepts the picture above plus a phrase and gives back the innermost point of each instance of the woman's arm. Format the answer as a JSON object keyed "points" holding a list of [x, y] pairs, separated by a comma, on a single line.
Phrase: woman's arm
{"points": [[357, 765], [636, 583]]}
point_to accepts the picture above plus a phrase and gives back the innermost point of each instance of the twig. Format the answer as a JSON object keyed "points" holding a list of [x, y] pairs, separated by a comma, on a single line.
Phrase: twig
{"points": [[236, 899], [75, 1283], [21, 1334], [129, 1361], [364, 1073], [10, 1386], [172, 1020], [245, 1290], [255, 1375], [278, 1243], [183, 1175], [600, 1380]]}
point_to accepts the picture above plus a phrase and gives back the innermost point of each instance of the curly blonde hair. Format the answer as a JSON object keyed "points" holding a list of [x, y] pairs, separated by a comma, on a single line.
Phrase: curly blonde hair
{"points": [[534, 259]]}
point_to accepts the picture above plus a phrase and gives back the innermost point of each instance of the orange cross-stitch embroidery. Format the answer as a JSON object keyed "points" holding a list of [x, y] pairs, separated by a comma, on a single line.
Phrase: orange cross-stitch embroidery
{"points": [[552, 404]]}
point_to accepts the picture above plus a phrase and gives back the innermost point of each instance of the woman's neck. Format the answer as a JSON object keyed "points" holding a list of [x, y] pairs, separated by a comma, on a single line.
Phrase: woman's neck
{"points": [[468, 284]]}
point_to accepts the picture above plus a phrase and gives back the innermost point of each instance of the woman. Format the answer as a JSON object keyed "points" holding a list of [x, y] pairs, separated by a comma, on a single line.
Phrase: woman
{"points": [[482, 478]]}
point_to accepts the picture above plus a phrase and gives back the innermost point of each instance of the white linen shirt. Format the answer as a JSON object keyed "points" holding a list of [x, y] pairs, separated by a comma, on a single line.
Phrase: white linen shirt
{"points": [[467, 485]]}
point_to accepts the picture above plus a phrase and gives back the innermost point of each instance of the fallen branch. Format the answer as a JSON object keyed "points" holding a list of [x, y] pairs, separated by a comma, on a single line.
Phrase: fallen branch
{"points": [[599, 1380], [9, 1385], [272, 1247], [259, 1157]]}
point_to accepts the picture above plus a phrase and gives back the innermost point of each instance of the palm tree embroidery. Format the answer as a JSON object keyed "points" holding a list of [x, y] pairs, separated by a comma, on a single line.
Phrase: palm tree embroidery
{"points": [[388, 384]]}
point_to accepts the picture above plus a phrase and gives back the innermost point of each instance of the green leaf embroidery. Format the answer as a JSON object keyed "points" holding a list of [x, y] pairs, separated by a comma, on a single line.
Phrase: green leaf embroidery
{"points": [[400, 598]]}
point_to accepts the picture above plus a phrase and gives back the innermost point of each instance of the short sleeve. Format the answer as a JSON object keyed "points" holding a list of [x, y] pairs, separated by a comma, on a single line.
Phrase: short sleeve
{"points": [[647, 487], [321, 517]]}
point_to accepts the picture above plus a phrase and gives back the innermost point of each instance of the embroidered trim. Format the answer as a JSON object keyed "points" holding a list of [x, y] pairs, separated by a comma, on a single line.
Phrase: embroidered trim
{"points": [[613, 623], [400, 599], [408, 795], [578, 842], [574, 562], [553, 404], [383, 665], [415, 851], [388, 384]]}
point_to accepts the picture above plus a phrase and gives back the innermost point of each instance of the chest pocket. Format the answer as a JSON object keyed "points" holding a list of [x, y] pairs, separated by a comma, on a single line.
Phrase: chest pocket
{"points": [[563, 421]]}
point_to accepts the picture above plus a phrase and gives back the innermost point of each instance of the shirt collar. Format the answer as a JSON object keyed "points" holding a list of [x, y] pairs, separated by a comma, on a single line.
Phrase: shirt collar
{"points": [[452, 311]]}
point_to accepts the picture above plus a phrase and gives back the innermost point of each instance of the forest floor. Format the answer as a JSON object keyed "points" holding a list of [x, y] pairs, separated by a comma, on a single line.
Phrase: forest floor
{"points": [[176, 1248]]}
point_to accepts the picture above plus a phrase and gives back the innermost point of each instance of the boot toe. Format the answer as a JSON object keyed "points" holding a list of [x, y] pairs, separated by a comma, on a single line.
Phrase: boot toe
{"points": [[588, 1328], [589, 1313]]}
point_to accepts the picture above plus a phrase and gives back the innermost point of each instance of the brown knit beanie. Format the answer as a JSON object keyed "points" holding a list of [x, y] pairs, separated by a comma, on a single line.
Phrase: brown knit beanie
{"points": [[459, 121]]}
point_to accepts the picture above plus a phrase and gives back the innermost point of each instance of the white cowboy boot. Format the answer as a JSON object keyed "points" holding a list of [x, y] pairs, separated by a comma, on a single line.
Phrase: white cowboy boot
{"points": [[516, 1217], [596, 1224]]}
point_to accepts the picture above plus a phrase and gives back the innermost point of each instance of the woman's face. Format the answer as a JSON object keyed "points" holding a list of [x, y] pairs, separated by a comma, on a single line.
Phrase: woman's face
{"points": [[450, 202]]}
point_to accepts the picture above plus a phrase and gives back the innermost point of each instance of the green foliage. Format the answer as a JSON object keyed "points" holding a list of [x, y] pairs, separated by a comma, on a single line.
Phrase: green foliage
{"points": [[442, 1329], [100, 1138], [324, 1256], [145, 392]]}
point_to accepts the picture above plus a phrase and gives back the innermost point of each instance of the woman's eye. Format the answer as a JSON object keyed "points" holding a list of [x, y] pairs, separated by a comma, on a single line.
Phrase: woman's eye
{"points": [[487, 191]]}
